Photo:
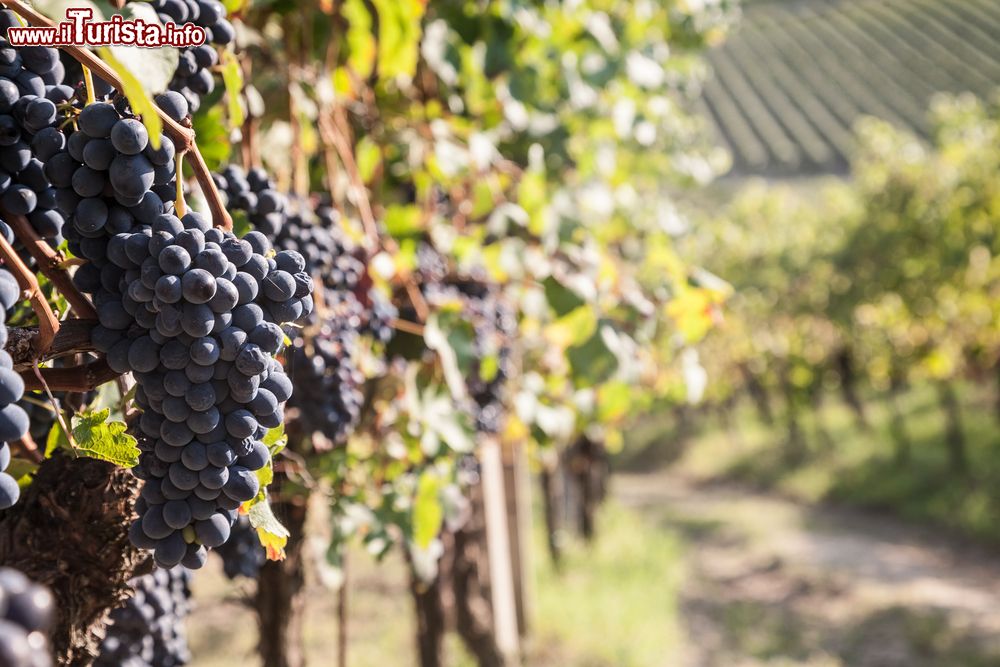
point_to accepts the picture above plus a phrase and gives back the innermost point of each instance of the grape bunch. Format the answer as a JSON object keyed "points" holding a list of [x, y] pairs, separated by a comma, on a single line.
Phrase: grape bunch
{"points": [[242, 555], [329, 382], [323, 366], [148, 629], [208, 381], [31, 91], [494, 324], [13, 419], [25, 621], [193, 76], [255, 194], [339, 264], [193, 313]]}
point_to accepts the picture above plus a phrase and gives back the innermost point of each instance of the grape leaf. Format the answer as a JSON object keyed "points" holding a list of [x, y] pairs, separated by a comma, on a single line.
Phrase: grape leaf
{"points": [[428, 514], [265, 475], [241, 223], [272, 535], [234, 6], [137, 96], [21, 470], [275, 439], [232, 77], [56, 439], [98, 438]]}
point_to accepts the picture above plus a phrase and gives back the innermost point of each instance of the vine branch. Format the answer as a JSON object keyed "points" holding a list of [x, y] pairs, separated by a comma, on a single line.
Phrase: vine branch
{"points": [[85, 377], [48, 324], [73, 337], [183, 137], [50, 262]]}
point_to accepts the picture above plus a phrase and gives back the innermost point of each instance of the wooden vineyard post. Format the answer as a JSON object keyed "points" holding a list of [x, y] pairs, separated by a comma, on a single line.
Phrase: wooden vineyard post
{"points": [[517, 489], [505, 624]]}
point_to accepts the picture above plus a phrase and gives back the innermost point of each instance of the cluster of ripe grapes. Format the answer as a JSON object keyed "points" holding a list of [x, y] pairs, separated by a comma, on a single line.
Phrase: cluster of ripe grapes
{"points": [[192, 311], [323, 366], [148, 629], [494, 324], [13, 419], [242, 555], [328, 359], [26, 616], [255, 194], [31, 90], [193, 76]]}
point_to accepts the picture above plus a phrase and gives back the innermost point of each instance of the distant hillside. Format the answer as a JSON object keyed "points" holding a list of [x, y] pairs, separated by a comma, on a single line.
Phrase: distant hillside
{"points": [[795, 75]]}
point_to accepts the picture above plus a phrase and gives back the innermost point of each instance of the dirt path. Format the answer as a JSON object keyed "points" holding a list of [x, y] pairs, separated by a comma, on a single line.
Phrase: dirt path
{"points": [[774, 583]]}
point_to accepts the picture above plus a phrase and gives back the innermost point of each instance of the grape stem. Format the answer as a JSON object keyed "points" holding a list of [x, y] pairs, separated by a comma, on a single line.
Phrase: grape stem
{"points": [[183, 137], [333, 128], [407, 327], [336, 136], [55, 407], [179, 203], [51, 264], [27, 446], [88, 81], [48, 324]]}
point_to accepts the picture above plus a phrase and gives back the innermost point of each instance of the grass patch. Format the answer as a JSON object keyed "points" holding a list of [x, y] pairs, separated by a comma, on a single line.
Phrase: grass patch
{"points": [[614, 602], [848, 463]]}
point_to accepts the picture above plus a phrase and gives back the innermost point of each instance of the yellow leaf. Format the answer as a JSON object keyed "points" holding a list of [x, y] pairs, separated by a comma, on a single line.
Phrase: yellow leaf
{"points": [[272, 535], [573, 328]]}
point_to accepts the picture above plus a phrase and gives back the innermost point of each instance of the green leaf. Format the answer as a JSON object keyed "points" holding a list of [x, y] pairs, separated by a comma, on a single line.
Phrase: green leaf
{"points": [[561, 299], [368, 157], [428, 514], [399, 36], [489, 366], [241, 223], [265, 475], [403, 221], [613, 401], [592, 361], [138, 96], [360, 40], [21, 470], [213, 137], [232, 77], [275, 439], [56, 439], [108, 396], [99, 438]]}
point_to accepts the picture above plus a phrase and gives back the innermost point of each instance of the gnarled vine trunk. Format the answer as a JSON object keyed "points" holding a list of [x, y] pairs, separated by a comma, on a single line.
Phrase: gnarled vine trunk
{"points": [[551, 497], [849, 385], [954, 436], [280, 593], [758, 394], [471, 585], [70, 532], [430, 614]]}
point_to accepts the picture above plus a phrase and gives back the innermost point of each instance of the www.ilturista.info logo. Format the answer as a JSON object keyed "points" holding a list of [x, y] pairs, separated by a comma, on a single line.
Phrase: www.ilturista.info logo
{"points": [[78, 29]]}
